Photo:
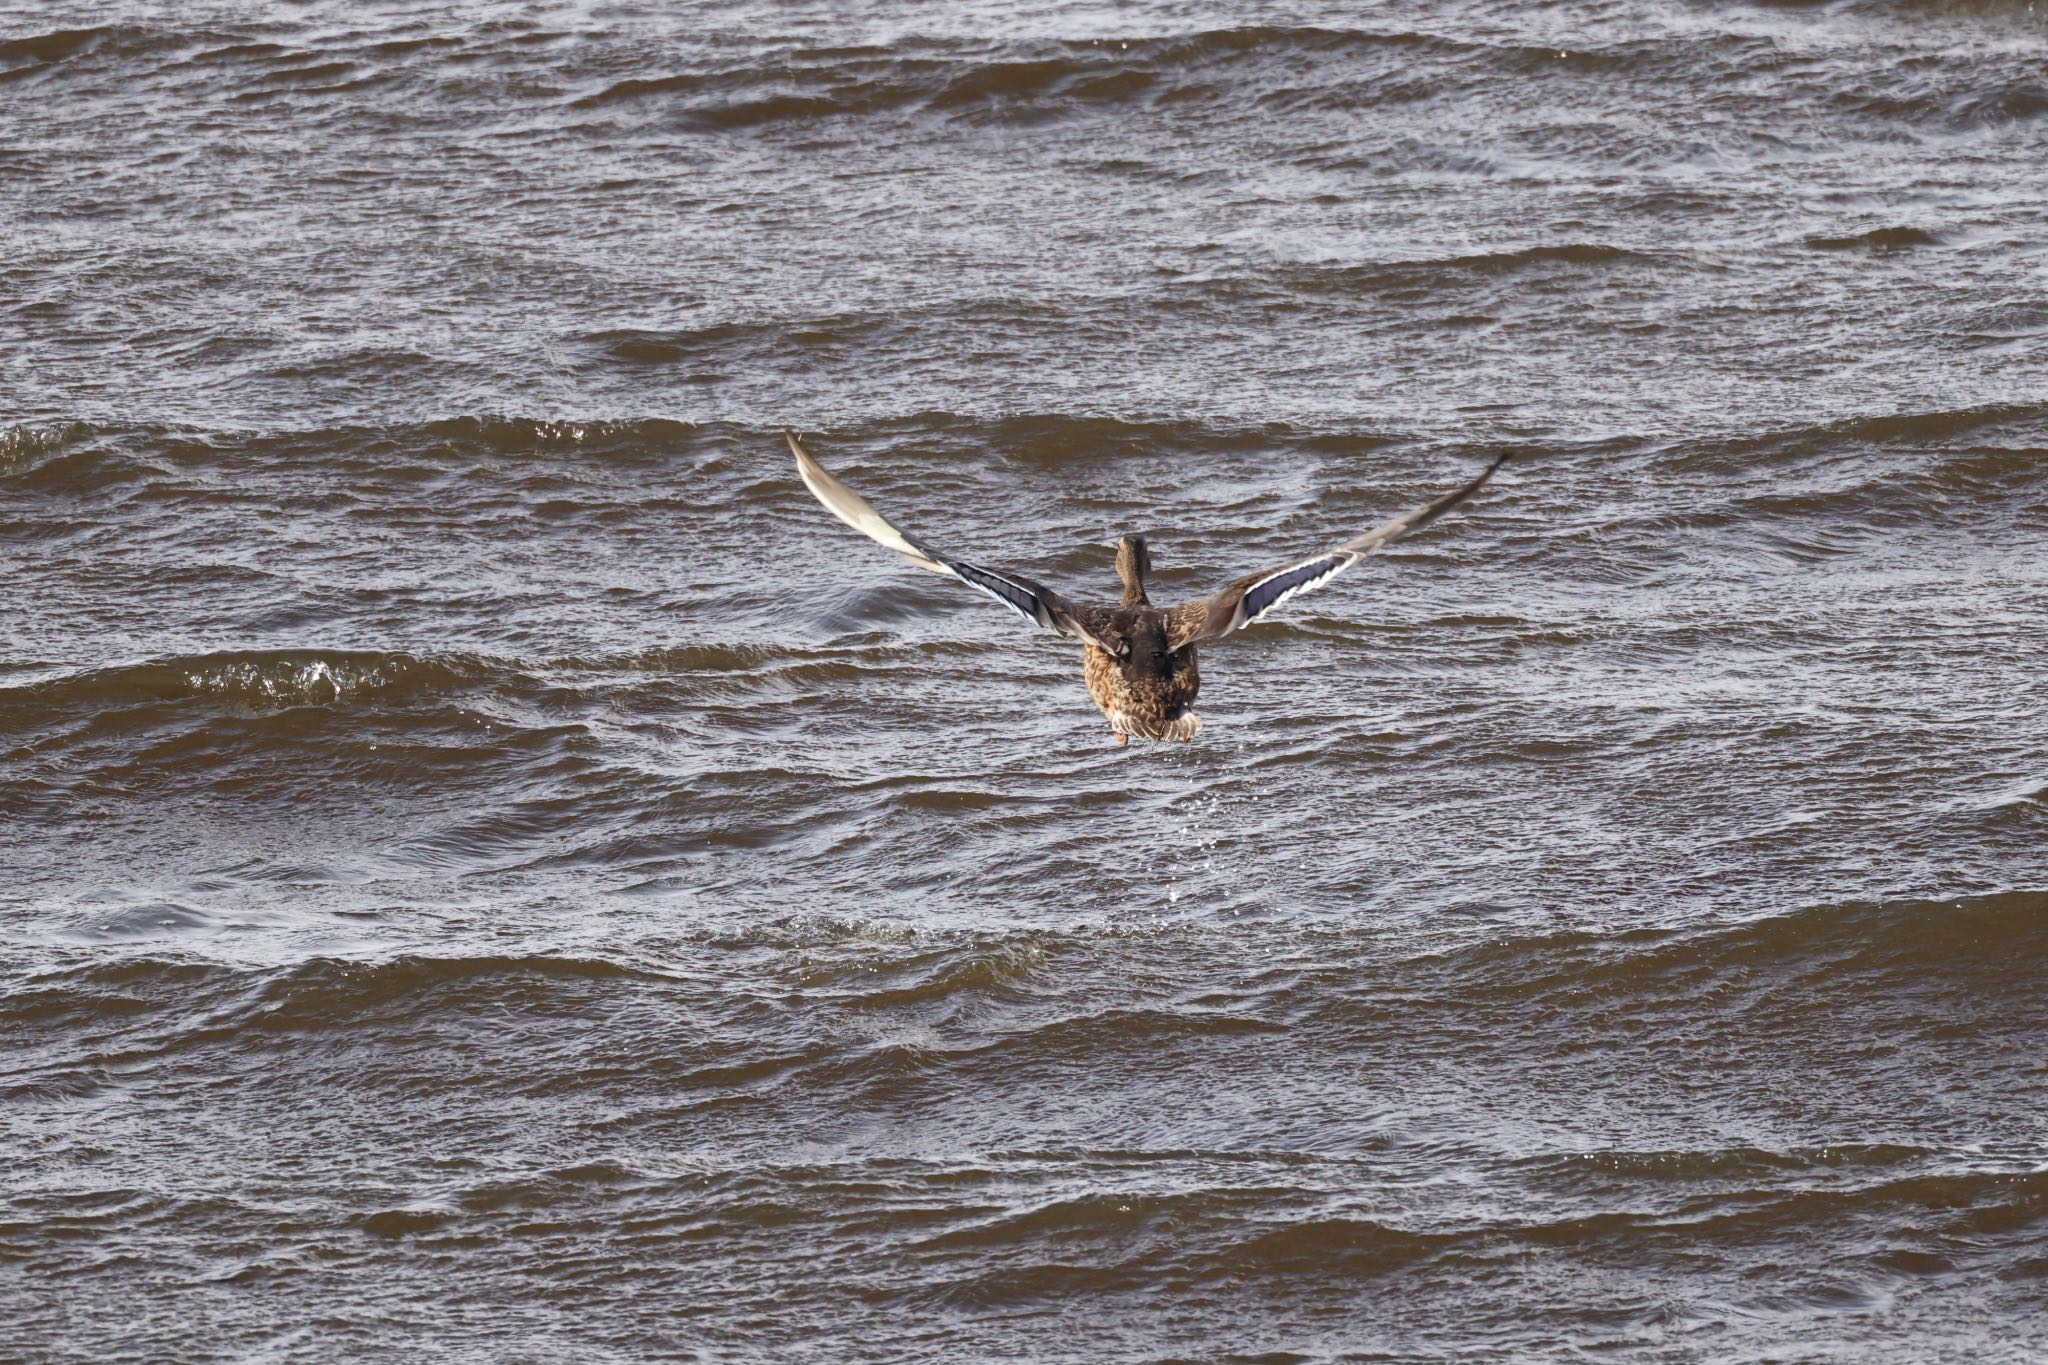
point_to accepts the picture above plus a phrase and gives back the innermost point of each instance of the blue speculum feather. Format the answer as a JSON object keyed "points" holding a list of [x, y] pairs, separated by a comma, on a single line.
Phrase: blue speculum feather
{"points": [[1262, 596], [1010, 593]]}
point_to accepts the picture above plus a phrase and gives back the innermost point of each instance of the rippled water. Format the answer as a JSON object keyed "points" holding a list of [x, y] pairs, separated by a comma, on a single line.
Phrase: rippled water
{"points": [[493, 871]]}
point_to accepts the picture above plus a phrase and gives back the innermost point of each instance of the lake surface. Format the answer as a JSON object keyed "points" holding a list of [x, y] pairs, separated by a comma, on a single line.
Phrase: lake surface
{"points": [[490, 870]]}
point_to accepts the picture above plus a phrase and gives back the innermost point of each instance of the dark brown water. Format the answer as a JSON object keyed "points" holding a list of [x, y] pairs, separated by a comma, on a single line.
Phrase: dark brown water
{"points": [[489, 870]]}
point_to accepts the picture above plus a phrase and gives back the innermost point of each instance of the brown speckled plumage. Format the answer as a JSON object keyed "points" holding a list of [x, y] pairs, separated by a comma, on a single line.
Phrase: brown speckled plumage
{"points": [[1150, 695], [1138, 659]]}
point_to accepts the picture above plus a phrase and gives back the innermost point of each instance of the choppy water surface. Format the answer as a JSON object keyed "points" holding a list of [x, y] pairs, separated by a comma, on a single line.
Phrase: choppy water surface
{"points": [[493, 871]]}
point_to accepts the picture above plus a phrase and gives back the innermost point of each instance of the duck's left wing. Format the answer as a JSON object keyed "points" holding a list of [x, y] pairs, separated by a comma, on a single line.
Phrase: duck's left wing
{"points": [[1255, 595], [1033, 601]]}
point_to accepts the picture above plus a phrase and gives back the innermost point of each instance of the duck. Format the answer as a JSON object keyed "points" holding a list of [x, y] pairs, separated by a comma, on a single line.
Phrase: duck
{"points": [[1138, 658]]}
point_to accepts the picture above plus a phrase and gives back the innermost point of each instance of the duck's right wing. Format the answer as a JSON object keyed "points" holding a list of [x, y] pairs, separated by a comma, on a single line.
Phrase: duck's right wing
{"points": [[1033, 601], [1254, 595]]}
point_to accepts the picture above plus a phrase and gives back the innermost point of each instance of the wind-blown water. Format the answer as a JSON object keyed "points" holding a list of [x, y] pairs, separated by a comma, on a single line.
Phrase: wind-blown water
{"points": [[492, 870]]}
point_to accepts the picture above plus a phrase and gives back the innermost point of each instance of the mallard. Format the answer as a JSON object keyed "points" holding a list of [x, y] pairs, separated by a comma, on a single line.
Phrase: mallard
{"points": [[1139, 659]]}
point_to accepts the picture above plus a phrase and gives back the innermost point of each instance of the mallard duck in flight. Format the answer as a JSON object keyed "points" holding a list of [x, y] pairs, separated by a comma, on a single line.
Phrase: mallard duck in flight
{"points": [[1140, 659]]}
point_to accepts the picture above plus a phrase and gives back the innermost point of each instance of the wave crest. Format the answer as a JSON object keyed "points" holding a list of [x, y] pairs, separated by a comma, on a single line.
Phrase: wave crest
{"points": [[274, 678]]}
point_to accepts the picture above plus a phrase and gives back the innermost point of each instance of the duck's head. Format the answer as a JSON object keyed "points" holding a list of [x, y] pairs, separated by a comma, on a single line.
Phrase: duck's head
{"points": [[1133, 562]]}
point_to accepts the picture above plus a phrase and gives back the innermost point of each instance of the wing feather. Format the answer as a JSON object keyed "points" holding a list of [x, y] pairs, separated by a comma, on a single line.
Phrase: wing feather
{"points": [[1033, 601], [853, 509], [1256, 595]]}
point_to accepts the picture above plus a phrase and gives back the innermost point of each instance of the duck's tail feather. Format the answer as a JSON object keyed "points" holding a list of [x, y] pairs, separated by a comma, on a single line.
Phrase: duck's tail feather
{"points": [[1181, 728]]}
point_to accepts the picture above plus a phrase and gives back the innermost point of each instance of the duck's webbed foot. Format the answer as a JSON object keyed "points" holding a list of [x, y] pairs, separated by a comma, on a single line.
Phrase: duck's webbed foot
{"points": [[1120, 737]]}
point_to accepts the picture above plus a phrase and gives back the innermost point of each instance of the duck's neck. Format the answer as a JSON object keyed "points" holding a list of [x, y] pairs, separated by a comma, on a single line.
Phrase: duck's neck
{"points": [[1131, 563]]}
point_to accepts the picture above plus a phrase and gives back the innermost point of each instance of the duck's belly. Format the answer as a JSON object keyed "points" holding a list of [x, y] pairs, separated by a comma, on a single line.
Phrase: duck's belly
{"points": [[1151, 708]]}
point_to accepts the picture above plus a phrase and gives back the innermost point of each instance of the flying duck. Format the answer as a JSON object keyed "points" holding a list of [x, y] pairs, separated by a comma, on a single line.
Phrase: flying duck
{"points": [[1140, 659]]}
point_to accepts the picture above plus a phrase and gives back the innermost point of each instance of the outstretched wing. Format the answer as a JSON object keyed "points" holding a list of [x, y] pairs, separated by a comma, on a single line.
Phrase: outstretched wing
{"points": [[1033, 601], [1254, 595]]}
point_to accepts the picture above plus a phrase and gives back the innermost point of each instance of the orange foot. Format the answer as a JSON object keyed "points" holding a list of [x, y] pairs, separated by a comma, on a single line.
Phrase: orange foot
{"points": [[1120, 737]]}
